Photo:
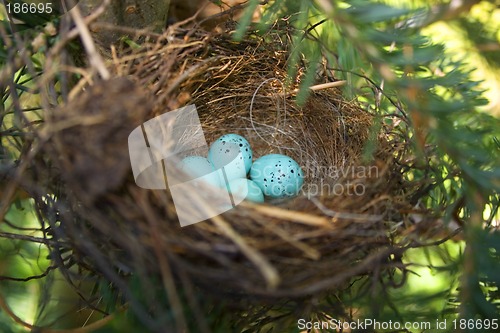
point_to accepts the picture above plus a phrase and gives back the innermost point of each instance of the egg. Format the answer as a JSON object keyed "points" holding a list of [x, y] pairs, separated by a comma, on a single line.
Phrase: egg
{"points": [[233, 153], [245, 189], [199, 167], [278, 176]]}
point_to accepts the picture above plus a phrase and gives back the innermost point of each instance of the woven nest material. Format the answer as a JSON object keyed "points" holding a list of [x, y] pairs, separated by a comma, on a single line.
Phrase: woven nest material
{"points": [[345, 223]]}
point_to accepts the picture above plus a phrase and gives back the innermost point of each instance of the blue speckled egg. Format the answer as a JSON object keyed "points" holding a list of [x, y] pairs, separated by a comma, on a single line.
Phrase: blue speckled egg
{"points": [[198, 167], [278, 176], [233, 152], [245, 189]]}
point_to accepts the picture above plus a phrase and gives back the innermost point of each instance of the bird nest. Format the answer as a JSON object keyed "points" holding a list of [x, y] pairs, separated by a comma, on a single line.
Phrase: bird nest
{"points": [[350, 219]]}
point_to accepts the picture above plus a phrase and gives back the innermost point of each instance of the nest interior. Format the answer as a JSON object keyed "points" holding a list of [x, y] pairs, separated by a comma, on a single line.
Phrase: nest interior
{"points": [[344, 223]]}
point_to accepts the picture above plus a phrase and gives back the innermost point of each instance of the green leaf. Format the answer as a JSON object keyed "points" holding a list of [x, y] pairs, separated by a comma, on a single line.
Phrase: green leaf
{"points": [[245, 20], [309, 77], [375, 12]]}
